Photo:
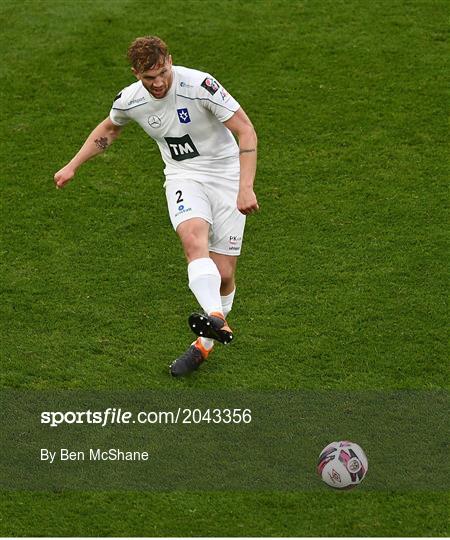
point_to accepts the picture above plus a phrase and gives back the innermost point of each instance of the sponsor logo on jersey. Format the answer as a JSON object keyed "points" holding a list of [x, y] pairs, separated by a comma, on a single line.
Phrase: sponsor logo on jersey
{"points": [[118, 96], [211, 85], [183, 116], [182, 210], [185, 85], [154, 121], [234, 242], [223, 94], [181, 148], [136, 101]]}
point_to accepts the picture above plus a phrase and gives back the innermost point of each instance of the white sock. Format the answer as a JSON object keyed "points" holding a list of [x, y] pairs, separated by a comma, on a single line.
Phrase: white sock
{"points": [[207, 343], [227, 303], [204, 282]]}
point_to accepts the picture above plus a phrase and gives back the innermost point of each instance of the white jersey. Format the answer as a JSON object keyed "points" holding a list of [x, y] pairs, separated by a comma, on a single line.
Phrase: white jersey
{"points": [[187, 124]]}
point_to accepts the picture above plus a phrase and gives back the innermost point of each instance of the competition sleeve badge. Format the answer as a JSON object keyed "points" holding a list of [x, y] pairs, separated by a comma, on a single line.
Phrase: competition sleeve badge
{"points": [[211, 85], [183, 116]]}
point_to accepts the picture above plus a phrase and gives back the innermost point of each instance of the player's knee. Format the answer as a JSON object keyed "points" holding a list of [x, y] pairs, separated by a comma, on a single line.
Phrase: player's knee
{"points": [[194, 245]]}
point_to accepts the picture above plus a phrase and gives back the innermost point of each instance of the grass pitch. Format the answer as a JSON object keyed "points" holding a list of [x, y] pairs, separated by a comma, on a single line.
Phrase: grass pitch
{"points": [[342, 281]]}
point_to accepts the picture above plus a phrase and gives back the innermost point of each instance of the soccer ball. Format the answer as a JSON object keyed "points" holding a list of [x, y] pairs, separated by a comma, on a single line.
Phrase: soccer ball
{"points": [[342, 465]]}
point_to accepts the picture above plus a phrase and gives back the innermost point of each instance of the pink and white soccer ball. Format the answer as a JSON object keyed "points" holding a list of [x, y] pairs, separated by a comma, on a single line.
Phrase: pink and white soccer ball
{"points": [[342, 465]]}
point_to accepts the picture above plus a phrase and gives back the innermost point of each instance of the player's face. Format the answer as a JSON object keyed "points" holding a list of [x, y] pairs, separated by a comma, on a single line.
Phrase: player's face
{"points": [[157, 80]]}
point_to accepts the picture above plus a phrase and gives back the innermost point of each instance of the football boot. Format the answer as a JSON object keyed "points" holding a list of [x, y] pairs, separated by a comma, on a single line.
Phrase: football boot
{"points": [[213, 326], [190, 360]]}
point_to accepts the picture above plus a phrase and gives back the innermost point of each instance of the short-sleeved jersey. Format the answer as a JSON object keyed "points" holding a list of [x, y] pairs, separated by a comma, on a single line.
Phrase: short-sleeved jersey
{"points": [[187, 124]]}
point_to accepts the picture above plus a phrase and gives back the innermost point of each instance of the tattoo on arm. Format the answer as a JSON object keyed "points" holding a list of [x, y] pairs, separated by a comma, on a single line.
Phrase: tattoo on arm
{"points": [[247, 150], [102, 143]]}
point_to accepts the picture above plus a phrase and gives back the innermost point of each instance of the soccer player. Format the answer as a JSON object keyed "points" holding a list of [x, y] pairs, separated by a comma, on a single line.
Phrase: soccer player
{"points": [[209, 177]]}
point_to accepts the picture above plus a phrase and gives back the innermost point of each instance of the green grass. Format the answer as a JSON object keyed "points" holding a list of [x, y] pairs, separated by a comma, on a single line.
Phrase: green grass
{"points": [[228, 514], [342, 280]]}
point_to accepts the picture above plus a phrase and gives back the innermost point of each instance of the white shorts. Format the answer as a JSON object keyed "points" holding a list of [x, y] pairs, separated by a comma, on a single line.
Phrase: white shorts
{"points": [[215, 202]]}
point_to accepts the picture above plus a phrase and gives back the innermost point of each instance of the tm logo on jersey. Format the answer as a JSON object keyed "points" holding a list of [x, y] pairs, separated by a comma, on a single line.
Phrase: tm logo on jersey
{"points": [[181, 148], [183, 116]]}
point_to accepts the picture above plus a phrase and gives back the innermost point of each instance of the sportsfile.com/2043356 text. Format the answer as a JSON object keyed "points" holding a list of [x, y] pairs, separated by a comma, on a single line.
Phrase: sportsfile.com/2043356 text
{"points": [[180, 415]]}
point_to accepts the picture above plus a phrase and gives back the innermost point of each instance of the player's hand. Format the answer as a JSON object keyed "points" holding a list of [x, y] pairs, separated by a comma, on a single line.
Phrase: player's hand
{"points": [[247, 202], [63, 176]]}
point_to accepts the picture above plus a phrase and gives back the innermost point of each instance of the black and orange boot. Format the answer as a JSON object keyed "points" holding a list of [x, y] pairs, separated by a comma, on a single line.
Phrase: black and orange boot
{"points": [[212, 326], [190, 360]]}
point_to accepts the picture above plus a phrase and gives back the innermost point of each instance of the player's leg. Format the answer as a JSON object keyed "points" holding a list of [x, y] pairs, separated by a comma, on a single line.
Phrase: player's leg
{"points": [[227, 269], [226, 265], [205, 282], [204, 276], [213, 325], [190, 213], [225, 242]]}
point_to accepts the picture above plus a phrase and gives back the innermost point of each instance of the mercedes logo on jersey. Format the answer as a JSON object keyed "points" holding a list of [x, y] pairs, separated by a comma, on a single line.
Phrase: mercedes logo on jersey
{"points": [[154, 121]]}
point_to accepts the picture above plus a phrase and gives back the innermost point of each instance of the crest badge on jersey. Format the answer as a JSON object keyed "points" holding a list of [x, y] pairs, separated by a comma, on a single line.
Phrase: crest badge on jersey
{"points": [[211, 85], [183, 116]]}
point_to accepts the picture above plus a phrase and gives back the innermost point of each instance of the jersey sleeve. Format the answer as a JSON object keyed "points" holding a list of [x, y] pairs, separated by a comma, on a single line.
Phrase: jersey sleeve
{"points": [[117, 115], [216, 99]]}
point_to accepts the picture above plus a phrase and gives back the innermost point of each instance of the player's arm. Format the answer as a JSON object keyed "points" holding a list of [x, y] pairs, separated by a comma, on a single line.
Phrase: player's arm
{"points": [[240, 125], [97, 142]]}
